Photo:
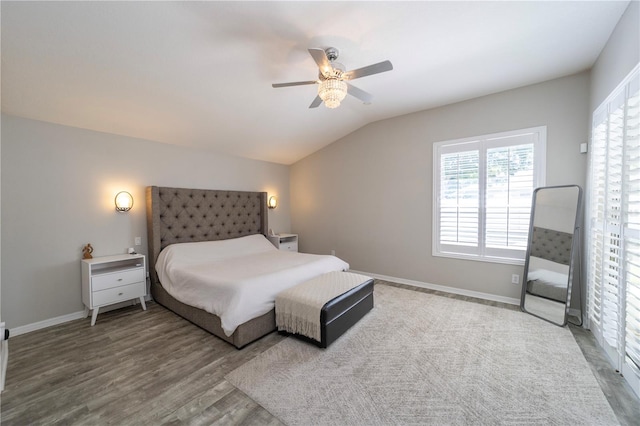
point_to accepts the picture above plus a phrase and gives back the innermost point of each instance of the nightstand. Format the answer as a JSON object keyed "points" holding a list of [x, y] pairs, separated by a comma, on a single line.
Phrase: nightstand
{"points": [[112, 279], [288, 242]]}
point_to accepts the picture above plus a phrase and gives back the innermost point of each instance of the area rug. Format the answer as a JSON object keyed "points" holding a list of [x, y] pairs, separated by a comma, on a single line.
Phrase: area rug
{"points": [[418, 358]]}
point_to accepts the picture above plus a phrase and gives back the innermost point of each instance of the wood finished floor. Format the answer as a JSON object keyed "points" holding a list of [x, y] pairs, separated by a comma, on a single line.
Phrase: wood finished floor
{"points": [[153, 368]]}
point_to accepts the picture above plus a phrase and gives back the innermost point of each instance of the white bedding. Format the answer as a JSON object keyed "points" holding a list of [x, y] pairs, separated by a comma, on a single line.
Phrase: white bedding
{"points": [[548, 272], [236, 279], [547, 277]]}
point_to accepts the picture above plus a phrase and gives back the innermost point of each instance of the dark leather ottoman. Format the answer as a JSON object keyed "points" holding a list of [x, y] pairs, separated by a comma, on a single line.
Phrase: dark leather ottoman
{"points": [[338, 314]]}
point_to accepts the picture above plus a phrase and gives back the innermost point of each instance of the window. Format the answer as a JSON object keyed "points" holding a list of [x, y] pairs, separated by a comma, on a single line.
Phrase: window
{"points": [[482, 194], [613, 229]]}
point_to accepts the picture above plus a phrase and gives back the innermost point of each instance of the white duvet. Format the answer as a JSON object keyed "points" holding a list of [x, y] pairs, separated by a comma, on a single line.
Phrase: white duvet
{"points": [[236, 279], [548, 272], [547, 277]]}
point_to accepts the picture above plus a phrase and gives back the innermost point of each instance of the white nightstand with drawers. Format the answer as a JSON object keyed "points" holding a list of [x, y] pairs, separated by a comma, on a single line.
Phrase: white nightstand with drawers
{"points": [[288, 242], [112, 279]]}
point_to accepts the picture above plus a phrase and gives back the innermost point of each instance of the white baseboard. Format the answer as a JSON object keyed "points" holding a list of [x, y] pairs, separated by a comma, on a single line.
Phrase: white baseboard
{"points": [[46, 323], [77, 315], [70, 317], [454, 290]]}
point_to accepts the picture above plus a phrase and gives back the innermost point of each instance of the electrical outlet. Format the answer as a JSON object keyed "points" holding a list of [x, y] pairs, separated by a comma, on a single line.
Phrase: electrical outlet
{"points": [[138, 241], [515, 279], [333, 252]]}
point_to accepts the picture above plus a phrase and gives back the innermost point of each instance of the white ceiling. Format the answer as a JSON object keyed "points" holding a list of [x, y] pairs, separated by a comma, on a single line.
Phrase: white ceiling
{"points": [[199, 74]]}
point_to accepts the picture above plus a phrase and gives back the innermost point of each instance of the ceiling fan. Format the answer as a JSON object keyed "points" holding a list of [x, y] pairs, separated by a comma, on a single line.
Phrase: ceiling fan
{"points": [[333, 80]]}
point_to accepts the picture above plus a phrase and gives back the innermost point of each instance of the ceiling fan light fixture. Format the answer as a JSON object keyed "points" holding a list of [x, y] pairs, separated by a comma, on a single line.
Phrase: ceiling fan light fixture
{"points": [[332, 91], [332, 78]]}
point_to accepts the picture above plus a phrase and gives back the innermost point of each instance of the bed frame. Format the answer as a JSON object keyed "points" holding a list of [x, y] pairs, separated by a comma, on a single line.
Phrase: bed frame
{"points": [[179, 215]]}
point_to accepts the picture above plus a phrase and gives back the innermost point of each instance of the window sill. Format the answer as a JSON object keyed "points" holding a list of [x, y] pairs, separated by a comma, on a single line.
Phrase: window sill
{"points": [[485, 259]]}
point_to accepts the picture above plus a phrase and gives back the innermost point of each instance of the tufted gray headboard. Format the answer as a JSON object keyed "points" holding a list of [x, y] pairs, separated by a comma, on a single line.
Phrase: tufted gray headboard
{"points": [[179, 215], [551, 245]]}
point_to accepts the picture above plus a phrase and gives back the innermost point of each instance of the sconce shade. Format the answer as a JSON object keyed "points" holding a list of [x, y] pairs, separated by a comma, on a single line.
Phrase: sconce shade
{"points": [[273, 202], [124, 201]]}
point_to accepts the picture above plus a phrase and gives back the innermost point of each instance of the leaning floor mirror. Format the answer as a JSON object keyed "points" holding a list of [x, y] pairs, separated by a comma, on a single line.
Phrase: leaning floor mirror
{"points": [[552, 247]]}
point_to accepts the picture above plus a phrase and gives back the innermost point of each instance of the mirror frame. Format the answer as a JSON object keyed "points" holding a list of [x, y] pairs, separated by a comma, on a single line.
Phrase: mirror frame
{"points": [[574, 249]]}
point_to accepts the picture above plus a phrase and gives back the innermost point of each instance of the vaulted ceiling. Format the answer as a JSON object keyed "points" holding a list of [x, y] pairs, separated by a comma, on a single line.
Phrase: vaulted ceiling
{"points": [[199, 74]]}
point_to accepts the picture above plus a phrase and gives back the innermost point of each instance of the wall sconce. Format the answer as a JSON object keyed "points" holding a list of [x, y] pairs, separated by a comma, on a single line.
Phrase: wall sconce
{"points": [[124, 201], [273, 202]]}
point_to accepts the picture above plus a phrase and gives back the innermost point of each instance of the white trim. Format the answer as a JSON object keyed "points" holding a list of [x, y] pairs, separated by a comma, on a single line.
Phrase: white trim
{"points": [[498, 135], [480, 143], [475, 258], [28, 328], [23, 329], [453, 290]]}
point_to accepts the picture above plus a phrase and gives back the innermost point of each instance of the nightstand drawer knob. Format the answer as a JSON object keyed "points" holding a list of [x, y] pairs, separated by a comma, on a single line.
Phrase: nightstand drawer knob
{"points": [[119, 279], [120, 294]]}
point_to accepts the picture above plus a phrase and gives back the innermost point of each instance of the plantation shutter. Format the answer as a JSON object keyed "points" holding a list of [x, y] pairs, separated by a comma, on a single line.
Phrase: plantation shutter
{"points": [[612, 225], [459, 198], [510, 182], [632, 227], [613, 229], [482, 194], [596, 209]]}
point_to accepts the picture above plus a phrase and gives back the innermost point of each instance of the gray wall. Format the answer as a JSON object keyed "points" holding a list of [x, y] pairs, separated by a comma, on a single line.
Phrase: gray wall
{"points": [[369, 195], [58, 185], [617, 59]]}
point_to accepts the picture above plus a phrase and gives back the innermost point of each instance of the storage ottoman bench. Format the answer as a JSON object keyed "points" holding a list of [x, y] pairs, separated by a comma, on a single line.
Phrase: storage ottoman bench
{"points": [[323, 308]]}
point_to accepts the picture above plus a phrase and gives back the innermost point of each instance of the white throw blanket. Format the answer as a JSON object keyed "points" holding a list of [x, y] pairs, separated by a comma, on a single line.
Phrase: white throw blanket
{"points": [[298, 308]]}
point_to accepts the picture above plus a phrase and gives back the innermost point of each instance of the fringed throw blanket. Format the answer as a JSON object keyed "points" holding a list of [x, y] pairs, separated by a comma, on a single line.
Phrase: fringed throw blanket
{"points": [[298, 308]]}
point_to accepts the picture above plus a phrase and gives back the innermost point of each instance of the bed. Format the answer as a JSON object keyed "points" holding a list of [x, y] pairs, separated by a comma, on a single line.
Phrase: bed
{"points": [[549, 262], [190, 222]]}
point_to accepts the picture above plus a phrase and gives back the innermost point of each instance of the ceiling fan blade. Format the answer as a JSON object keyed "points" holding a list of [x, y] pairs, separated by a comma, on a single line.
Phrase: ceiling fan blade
{"points": [[369, 70], [316, 102], [365, 97], [321, 59], [295, 83]]}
